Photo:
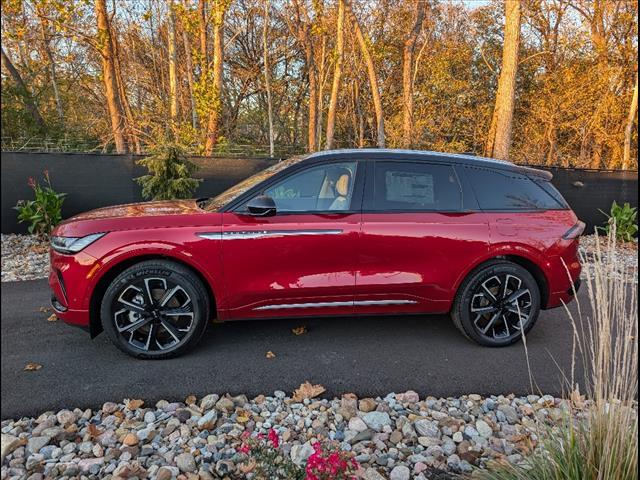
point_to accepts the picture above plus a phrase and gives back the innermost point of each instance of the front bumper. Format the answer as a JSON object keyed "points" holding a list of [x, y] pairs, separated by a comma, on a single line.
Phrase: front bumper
{"points": [[70, 285]]}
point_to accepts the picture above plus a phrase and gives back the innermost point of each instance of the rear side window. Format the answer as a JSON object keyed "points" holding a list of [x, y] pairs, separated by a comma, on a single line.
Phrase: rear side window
{"points": [[553, 191], [502, 190], [415, 186]]}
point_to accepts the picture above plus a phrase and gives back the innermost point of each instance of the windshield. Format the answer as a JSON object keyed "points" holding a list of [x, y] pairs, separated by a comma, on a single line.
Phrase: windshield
{"points": [[213, 204]]}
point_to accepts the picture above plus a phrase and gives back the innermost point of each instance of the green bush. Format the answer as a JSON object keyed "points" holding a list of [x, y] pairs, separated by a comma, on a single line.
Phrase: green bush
{"points": [[625, 218], [169, 174], [43, 213]]}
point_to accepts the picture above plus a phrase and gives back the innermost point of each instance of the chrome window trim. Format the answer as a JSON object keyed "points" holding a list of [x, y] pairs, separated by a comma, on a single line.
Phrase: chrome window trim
{"points": [[250, 234]]}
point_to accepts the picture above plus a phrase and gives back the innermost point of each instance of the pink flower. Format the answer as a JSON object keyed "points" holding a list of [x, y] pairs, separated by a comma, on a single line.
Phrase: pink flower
{"points": [[273, 438], [31, 182], [246, 434], [244, 448]]}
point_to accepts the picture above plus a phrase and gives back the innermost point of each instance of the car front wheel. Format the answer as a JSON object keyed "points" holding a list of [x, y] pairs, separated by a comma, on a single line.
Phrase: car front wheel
{"points": [[497, 303], [155, 309]]}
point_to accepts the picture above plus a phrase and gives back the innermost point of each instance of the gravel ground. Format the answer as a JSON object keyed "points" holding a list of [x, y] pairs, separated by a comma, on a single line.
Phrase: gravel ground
{"points": [[398, 437], [26, 258]]}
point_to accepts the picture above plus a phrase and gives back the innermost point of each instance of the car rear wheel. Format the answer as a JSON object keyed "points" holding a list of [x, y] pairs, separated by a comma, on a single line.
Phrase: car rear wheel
{"points": [[496, 303], [155, 309]]}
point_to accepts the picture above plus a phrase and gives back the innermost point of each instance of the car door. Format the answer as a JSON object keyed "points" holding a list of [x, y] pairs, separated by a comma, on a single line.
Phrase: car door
{"points": [[301, 261], [417, 237]]}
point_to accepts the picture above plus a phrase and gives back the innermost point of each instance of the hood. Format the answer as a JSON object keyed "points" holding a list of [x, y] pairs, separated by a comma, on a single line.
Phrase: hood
{"points": [[134, 216], [144, 209]]}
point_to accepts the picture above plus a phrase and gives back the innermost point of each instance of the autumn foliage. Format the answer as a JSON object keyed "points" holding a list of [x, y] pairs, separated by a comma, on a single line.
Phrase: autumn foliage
{"points": [[537, 81]]}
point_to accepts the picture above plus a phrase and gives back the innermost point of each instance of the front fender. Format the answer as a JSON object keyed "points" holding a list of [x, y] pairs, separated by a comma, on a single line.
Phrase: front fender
{"points": [[136, 248]]}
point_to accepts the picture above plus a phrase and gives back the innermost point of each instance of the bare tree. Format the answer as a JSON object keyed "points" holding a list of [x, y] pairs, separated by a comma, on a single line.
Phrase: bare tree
{"points": [[267, 74], [173, 63], [202, 25], [190, 80], [500, 133], [407, 75], [371, 72], [29, 102], [337, 72], [633, 110], [301, 29], [107, 53], [215, 110], [44, 31]]}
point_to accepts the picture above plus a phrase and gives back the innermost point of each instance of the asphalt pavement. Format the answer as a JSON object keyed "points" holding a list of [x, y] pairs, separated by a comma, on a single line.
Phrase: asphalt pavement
{"points": [[370, 356]]}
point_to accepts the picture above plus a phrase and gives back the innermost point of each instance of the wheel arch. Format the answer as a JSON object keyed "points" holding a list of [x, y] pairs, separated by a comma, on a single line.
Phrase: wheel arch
{"points": [[95, 326], [526, 263]]}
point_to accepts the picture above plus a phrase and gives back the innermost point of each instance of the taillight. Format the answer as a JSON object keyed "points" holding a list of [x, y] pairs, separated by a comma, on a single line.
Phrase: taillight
{"points": [[575, 231]]}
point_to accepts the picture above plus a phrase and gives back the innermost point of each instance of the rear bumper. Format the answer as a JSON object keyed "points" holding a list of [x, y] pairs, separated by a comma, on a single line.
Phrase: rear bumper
{"points": [[564, 281]]}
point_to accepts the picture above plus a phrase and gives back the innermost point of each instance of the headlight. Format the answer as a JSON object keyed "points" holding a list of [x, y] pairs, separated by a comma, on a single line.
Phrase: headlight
{"points": [[73, 244]]}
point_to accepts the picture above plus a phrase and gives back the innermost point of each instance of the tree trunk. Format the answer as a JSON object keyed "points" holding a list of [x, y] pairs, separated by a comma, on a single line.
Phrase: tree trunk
{"points": [[371, 72], [215, 112], [599, 42], [173, 64], [30, 103], [499, 141], [128, 112], [313, 96], [322, 77], [337, 72], [267, 75], [360, 133], [552, 140], [202, 25], [44, 28], [107, 54], [407, 75], [190, 81], [628, 131]]}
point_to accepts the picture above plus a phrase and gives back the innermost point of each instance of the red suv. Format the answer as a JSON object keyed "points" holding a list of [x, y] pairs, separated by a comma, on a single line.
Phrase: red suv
{"points": [[353, 232]]}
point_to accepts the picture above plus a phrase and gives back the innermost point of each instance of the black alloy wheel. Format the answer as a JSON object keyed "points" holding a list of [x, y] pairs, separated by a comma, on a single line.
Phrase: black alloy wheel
{"points": [[497, 303]]}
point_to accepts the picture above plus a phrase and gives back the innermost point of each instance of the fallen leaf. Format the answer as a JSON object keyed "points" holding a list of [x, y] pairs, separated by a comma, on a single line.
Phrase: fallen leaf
{"points": [[577, 400], [306, 390], [52, 318], [32, 367], [93, 430], [40, 248], [190, 400], [44, 309], [301, 330], [134, 404], [248, 466], [270, 354]]}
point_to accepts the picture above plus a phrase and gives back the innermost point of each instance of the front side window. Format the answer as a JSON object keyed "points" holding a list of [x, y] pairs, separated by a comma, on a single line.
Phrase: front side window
{"points": [[229, 195], [503, 190], [317, 189], [416, 186]]}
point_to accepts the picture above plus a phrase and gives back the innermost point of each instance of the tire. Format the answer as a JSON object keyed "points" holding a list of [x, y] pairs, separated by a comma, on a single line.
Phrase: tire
{"points": [[484, 314], [167, 326]]}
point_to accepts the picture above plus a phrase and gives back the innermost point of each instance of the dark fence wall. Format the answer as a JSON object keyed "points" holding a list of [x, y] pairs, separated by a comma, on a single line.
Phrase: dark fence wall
{"points": [[93, 181]]}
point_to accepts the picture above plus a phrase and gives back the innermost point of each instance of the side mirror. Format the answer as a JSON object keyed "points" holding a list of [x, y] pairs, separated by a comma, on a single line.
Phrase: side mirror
{"points": [[261, 206]]}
